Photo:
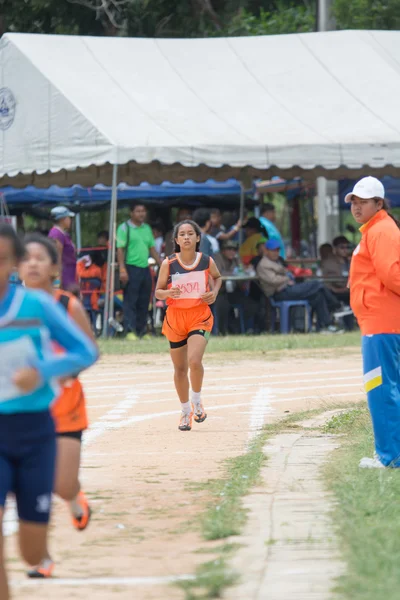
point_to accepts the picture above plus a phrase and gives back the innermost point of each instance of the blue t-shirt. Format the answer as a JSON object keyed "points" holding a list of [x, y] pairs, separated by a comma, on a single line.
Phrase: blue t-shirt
{"points": [[30, 323]]}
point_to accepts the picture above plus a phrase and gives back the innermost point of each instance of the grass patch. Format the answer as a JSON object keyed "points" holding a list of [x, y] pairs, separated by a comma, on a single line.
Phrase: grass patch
{"points": [[366, 513], [226, 516], [238, 343]]}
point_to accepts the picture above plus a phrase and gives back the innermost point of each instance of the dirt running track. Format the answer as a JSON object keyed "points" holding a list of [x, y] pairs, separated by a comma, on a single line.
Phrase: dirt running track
{"points": [[138, 467]]}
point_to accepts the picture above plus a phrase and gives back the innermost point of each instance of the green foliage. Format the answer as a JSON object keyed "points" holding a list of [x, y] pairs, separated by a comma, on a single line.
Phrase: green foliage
{"points": [[367, 14]]}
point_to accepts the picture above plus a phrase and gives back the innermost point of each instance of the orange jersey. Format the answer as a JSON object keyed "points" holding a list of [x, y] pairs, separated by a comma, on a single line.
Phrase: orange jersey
{"points": [[69, 409], [193, 281], [375, 276]]}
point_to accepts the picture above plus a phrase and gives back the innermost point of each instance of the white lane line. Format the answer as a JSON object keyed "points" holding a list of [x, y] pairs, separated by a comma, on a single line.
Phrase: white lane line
{"points": [[89, 380], [260, 407], [102, 581]]}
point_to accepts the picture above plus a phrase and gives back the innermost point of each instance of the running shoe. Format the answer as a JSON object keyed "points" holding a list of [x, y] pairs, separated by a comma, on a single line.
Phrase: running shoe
{"points": [[185, 424], [371, 463], [80, 523], [44, 570], [199, 413]]}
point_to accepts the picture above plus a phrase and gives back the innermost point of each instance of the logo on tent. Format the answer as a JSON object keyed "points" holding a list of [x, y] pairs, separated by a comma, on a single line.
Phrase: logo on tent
{"points": [[7, 108]]}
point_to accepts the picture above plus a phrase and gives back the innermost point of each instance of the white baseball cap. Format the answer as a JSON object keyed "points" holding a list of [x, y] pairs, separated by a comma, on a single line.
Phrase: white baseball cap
{"points": [[60, 212], [367, 187]]}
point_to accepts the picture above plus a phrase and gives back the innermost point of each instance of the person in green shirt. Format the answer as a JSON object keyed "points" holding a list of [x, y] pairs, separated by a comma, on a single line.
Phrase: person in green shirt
{"points": [[135, 243]]}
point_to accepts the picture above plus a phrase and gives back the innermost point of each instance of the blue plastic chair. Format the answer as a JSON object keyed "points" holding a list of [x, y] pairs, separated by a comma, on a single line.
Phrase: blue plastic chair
{"points": [[284, 313]]}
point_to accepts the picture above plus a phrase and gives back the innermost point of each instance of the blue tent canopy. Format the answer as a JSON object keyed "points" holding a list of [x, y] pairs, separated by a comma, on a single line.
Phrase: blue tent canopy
{"points": [[79, 195]]}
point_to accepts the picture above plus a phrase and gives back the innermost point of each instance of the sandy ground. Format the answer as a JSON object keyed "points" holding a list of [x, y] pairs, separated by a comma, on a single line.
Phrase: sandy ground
{"points": [[141, 473]]}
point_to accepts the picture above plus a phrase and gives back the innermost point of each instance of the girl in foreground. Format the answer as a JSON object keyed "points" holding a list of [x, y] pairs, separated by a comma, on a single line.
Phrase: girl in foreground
{"points": [[375, 300], [184, 283], [29, 322], [38, 271]]}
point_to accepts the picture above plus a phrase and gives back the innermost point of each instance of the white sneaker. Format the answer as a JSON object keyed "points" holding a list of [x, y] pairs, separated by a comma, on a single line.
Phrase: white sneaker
{"points": [[371, 463], [344, 312]]}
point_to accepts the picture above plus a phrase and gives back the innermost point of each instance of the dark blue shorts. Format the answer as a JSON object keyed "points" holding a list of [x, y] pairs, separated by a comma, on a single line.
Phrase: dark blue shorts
{"points": [[27, 463]]}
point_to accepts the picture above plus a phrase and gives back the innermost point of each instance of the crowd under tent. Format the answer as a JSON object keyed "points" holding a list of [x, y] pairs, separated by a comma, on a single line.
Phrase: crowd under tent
{"points": [[76, 110]]}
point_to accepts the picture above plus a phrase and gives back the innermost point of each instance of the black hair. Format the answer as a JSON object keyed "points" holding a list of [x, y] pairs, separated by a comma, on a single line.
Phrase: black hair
{"points": [[386, 207], [201, 216], [8, 233], [135, 204], [195, 226], [46, 243], [267, 207], [104, 234], [339, 240]]}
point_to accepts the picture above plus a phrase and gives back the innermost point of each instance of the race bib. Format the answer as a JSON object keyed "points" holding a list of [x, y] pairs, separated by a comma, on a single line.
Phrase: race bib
{"points": [[192, 285], [15, 355]]}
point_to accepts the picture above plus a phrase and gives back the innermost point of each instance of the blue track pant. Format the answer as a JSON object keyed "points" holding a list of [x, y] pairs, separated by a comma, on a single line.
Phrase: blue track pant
{"points": [[381, 359]]}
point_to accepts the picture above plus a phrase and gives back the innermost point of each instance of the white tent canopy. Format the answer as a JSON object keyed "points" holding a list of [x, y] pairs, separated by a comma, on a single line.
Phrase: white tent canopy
{"points": [[315, 104]]}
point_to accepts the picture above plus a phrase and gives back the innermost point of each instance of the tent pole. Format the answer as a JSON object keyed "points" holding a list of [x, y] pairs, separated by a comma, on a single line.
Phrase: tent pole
{"points": [[109, 300], [242, 202], [78, 231]]}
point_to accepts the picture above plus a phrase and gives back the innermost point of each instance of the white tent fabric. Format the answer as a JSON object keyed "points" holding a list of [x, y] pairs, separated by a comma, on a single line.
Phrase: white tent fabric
{"points": [[197, 108]]}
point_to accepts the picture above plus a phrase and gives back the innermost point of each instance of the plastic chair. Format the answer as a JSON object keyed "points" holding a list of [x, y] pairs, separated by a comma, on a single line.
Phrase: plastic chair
{"points": [[284, 313]]}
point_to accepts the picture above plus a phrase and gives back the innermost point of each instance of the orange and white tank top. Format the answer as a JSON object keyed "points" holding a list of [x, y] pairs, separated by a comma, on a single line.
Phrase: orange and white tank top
{"points": [[192, 280]]}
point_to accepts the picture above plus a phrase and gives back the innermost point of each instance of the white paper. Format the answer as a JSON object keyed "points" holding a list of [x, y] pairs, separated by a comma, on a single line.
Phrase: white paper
{"points": [[15, 355], [192, 285]]}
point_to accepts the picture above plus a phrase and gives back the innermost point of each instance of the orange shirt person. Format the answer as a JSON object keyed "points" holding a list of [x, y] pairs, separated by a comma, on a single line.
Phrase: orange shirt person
{"points": [[189, 281], [375, 300], [38, 271]]}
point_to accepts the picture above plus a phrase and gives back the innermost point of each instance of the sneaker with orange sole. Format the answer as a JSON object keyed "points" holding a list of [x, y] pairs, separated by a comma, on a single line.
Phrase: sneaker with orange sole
{"points": [[185, 424], [80, 523], [199, 413], [44, 570]]}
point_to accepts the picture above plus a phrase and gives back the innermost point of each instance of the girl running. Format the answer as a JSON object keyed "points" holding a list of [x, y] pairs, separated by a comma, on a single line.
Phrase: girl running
{"points": [[38, 271], [29, 321], [375, 300], [184, 283]]}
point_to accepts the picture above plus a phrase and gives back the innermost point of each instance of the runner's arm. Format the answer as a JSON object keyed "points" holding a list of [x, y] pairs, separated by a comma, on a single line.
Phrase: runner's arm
{"points": [[80, 351], [162, 293], [210, 297]]}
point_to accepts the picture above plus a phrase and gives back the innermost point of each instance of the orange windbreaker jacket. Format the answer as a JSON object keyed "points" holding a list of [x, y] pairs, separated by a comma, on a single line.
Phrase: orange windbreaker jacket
{"points": [[375, 276]]}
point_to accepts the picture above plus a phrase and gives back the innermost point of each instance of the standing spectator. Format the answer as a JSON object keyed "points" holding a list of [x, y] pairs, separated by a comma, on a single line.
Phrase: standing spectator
{"points": [[218, 230], [183, 214], [231, 293], [135, 242], [375, 299], [254, 235], [337, 266], [158, 234], [202, 217], [62, 218], [268, 220], [277, 283]]}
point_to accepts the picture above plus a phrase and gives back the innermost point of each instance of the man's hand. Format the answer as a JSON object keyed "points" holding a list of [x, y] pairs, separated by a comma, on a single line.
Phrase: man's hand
{"points": [[27, 379], [123, 275], [209, 297]]}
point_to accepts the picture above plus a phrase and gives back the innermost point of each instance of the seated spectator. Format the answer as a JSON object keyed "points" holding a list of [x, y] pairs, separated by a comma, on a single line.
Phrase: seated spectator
{"points": [[278, 284], [232, 292], [268, 221], [182, 215], [218, 230], [337, 266], [255, 234], [325, 252], [86, 269], [103, 239]]}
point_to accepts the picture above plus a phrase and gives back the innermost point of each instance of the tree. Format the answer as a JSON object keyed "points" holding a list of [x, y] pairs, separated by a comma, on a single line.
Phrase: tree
{"points": [[367, 14]]}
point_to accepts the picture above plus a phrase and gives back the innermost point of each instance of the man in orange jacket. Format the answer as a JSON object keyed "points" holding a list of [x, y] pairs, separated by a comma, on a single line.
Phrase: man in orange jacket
{"points": [[375, 300]]}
